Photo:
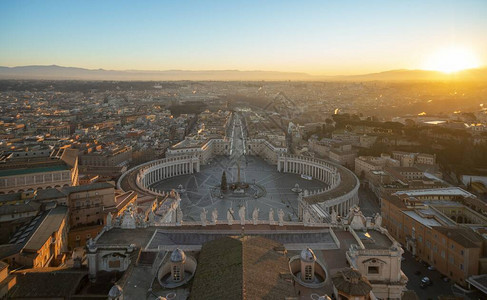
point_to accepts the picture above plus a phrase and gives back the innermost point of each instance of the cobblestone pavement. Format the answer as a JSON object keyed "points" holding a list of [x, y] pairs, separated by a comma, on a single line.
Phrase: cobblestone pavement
{"points": [[277, 186]]}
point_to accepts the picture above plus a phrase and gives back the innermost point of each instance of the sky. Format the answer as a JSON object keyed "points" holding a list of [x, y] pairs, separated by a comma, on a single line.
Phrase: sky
{"points": [[316, 37]]}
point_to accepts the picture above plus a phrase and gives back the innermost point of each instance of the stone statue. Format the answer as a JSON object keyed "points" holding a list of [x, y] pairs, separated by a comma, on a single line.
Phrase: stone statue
{"points": [[334, 217], [306, 217], [280, 215], [271, 216], [255, 215], [203, 217], [241, 214], [306, 193], [128, 220], [230, 216], [109, 220], [356, 219], [150, 218], [378, 220], [90, 244], [214, 216], [179, 216]]}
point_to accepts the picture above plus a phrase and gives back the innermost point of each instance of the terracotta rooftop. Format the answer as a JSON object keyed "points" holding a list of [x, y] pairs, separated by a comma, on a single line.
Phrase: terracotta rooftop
{"points": [[34, 283], [242, 268], [351, 282]]}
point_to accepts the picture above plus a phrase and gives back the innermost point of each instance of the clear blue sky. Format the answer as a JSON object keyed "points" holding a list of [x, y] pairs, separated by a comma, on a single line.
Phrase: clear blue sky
{"points": [[319, 37]]}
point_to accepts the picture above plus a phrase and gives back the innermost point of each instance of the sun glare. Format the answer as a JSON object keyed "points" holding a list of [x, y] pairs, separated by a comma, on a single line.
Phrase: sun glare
{"points": [[452, 59]]}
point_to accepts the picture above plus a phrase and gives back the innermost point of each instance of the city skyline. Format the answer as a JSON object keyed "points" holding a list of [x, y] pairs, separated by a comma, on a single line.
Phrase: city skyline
{"points": [[315, 38], [243, 150]]}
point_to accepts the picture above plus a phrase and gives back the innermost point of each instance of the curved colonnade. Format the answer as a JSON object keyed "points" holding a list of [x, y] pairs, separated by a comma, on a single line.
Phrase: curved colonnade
{"points": [[146, 174], [340, 195]]}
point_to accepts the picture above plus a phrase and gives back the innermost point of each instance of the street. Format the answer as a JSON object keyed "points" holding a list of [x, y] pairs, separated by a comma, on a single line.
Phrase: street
{"points": [[368, 202], [409, 266]]}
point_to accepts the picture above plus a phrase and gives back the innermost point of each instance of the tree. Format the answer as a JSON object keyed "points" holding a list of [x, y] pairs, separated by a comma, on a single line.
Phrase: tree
{"points": [[223, 185]]}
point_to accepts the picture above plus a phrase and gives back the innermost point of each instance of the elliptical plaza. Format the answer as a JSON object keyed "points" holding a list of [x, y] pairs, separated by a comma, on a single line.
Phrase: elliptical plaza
{"points": [[306, 208]]}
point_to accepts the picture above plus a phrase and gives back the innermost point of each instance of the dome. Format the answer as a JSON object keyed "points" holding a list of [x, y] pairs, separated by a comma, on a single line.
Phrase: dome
{"points": [[115, 292], [178, 255], [308, 255], [351, 282]]}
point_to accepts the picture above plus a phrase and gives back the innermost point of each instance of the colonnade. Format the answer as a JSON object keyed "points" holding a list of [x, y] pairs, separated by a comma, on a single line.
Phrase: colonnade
{"points": [[318, 169], [161, 171], [321, 204], [158, 170]]}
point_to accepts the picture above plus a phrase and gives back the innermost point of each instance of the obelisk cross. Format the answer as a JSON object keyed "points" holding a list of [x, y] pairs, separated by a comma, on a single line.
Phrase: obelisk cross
{"points": [[238, 172]]}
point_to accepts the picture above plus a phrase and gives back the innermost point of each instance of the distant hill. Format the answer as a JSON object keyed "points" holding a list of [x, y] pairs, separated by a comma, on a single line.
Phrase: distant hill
{"points": [[69, 73], [393, 75], [54, 72]]}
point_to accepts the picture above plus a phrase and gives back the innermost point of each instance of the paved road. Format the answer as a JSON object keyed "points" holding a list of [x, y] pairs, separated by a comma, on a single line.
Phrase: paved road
{"points": [[409, 266], [368, 202]]}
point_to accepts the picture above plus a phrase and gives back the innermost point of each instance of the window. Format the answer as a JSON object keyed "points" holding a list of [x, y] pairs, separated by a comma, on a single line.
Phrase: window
{"points": [[308, 273], [461, 252], [373, 270], [443, 253], [461, 266], [176, 273]]}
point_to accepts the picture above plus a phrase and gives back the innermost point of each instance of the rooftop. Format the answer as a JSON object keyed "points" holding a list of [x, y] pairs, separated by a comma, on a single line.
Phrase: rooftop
{"points": [[374, 239], [31, 283], [351, 282], [49, 225], [449, 191], [242, 268], [463, 236], [40, 195], [348, 182], [89, 187], [428, 222], [23, 171], [193, 238]]}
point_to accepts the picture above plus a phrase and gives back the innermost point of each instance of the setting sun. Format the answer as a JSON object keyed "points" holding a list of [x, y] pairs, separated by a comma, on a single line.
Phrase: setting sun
{"points": [[452, 59]]}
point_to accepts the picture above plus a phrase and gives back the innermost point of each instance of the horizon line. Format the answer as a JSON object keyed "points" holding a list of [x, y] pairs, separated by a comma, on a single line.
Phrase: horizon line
{"points": [[242, 70]]}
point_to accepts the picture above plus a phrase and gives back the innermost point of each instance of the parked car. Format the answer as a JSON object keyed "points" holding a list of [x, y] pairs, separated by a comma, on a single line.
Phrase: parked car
{"points": [[431, 268], [425, 281]]}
